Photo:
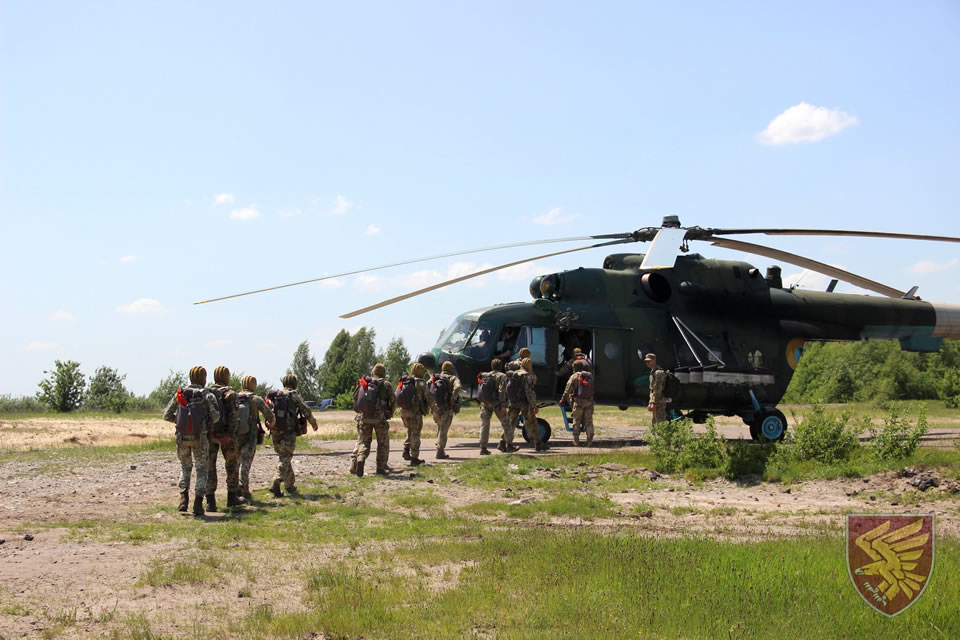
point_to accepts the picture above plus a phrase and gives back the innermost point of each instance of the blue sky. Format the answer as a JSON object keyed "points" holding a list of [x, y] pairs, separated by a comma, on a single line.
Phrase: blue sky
{"points": [[157, 153]]}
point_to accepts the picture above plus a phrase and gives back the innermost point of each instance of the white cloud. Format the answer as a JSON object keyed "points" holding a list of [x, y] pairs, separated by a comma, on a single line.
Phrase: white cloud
{"points": [[368, 282], [222, 198], [290, 213], [556, 216], [805, 123], [216, 344], [928, 266], [247, 213], [372, 229], [128, 259], [142, 306], [61, 315], [331, 284], [341, 205], [37, 345]]}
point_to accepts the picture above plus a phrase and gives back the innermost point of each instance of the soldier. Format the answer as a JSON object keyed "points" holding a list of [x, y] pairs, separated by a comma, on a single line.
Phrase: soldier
{"points": [[492, 395], [287, 406], [375, 405], [579, 394], [251, 407], [225, 440], [412, 391], [514, 365], [523, 401], [657, 405], [444, 393], [193, 410]]}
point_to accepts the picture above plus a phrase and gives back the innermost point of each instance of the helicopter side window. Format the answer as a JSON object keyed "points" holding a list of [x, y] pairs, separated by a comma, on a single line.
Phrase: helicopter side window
{"points": [[454, 338], [480, 343], [535, 339], [755, 358]]}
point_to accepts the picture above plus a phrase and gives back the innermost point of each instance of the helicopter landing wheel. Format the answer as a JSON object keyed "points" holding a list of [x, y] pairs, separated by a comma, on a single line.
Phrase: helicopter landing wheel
{"points": [[770, 425], [544, 427]]}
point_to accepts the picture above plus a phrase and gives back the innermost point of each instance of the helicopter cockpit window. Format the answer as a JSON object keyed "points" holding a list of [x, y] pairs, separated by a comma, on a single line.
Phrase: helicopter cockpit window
{"points": [[535, 339], [454, 338], [481, 342]]}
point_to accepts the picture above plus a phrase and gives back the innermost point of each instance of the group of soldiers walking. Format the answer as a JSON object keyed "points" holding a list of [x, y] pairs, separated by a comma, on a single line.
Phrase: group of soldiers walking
{"points": [[215, 418]]}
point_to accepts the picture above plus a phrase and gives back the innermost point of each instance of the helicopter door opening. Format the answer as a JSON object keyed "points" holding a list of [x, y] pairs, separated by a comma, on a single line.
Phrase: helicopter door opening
{"points": [[542, 343], [611, 358]]}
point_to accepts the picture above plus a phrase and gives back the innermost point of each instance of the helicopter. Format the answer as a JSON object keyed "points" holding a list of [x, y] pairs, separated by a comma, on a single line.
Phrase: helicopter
{"points": [[731, 335]]}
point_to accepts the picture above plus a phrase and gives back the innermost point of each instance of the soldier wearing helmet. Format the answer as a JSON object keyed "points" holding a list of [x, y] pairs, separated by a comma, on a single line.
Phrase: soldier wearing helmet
{"points": [[498, 381], [227, 442], [193, 448], [412, 416], [514, 365], [444, 400], [525, 403], [251, 408], [374, 419], [285, 431], [581, 402]]}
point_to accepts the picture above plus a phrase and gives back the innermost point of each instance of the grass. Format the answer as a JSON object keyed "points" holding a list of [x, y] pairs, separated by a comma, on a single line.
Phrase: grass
{"points": [[195, 570], [862, 464], [586, 507], [87, 453]]}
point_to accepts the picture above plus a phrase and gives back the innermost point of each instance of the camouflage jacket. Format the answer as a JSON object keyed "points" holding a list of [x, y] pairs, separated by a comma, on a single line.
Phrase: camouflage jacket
{"points": [[295, 402], [513, 365], [258, 407], [455, 389], [229, 407], [658, 378], [570, 392], [422, 405], [501, 378], [529, 382], [210, 404]]}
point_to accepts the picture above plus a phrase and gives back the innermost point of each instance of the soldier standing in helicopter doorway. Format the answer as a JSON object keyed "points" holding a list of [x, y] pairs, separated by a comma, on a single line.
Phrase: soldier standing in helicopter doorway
{"points": [[658, 403]]}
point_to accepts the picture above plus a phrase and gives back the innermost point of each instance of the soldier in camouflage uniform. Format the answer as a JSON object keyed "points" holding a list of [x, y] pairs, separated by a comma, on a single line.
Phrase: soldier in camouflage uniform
{"points": [[443, 415], [193, 450], [582, 409], [487, 410], [514, 365], [658, 404], [413, 417], [527, 407], [377, 423], [228, 444], [249, 433], [284, 435]]}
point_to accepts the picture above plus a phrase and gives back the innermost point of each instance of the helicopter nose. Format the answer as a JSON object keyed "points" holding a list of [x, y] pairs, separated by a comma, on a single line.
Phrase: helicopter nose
{"points": [[428, 360]]}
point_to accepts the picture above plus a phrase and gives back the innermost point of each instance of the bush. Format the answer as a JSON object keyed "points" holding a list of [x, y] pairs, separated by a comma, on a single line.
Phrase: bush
{"points": [[345, 401], [21, 404], [167, 387], [106, 391], [707, 450], [896, 439], [142, 403], [825, 438], [63, 389], [668, 443], [950, 389], [744, 458]]}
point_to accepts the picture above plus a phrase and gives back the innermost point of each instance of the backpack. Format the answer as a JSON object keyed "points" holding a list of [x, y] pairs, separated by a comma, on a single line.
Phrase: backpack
{"points": [[584, 386], [671, 385], [285, 418], [516, 395], [488, 391], [407, 393], [191, 416], [219, 430], [244, 413], [441, 390], [367, 395]]}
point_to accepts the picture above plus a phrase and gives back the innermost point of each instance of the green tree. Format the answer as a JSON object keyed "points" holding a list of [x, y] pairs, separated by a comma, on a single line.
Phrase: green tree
{"points": [[304, 366], [364, 351], [397, 359], [336, 372], [160, 396], [106, 391], [63, 389]]}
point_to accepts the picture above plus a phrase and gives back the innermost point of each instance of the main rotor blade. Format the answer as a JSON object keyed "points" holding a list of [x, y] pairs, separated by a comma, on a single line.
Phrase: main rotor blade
{"points": [[807, 263], [707, 233], [415, 260], [440, 285]]}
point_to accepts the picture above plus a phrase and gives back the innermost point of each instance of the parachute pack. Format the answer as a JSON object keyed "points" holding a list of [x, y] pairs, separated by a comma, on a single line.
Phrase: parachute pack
{"points": [[367, 396], [285, 417], [585, 386], [441, 389], [488, 391], [407, 393], [516, 395], [191, 417], [671, 385], [219, 430], [244, 413]]}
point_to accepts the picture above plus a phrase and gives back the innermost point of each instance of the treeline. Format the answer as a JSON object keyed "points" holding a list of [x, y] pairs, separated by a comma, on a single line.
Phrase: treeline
{"points": [[875, 370], [66, 388]]}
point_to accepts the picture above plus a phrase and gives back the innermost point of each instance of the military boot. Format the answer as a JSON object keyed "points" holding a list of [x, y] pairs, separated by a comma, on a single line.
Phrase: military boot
{"points": [[484, 451], [441, 454], [245, 492], [275, 490], [502, 446], [416, 462], [406, 453], [211, 503], [353, 466], [184, 501], [360, 468], [198, 506], [576, 441], [234, 499]]}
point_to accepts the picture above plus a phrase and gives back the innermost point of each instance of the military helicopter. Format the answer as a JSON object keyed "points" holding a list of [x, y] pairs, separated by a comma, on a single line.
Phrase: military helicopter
{"points": [[731, 335]]}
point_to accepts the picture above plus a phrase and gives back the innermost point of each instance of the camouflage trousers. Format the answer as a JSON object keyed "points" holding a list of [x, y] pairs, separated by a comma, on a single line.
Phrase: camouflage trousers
{"points": [[486, 412], [247, 451], [529, 418], [367, 429], [659, 414], [193, 452], [413, 423], [582, 420], [284, 444], [231, 463], [443, 419]]}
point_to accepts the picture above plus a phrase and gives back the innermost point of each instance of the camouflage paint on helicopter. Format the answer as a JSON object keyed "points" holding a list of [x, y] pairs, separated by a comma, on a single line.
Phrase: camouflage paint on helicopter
{"points": [[732, 336]]}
